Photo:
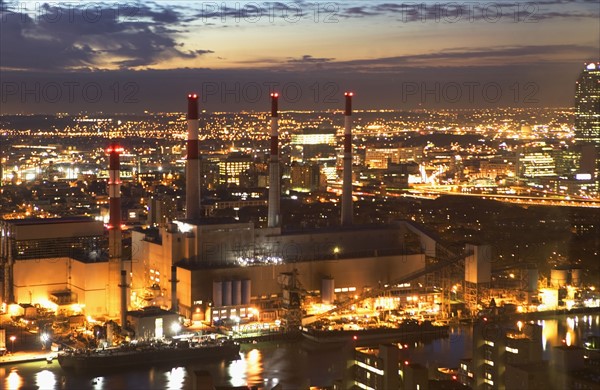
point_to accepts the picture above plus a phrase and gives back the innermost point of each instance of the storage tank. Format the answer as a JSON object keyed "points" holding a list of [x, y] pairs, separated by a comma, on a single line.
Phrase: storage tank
{"points": [[576, 277], [217, 295], [558, 277], [327, 290], [227, 293], [532, 279], [246, 291], [236, 292]]}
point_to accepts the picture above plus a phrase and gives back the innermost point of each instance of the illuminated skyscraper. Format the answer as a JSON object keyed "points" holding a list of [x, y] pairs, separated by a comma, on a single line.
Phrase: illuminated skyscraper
{"points": [[587, 105], [316, 145], [231, 168]]}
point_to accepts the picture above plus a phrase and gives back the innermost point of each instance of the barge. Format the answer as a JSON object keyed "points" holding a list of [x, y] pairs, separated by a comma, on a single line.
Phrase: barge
{"points": [[135, 355]]}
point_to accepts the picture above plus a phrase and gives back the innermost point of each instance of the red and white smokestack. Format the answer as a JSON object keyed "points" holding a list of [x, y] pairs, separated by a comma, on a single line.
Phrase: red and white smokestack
{"points": [[347, 208], [192, 164], [116, 266], [114, 194], [274, 214]]}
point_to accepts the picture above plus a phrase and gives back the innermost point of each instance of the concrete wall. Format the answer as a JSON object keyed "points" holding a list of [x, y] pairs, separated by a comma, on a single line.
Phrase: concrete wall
{"points": [[359, 273], [370, 256], [478, 266], [222, 245], [37, 278], [139, 259], [41, 277], [89, 281], [184, 291], [148, 256]]}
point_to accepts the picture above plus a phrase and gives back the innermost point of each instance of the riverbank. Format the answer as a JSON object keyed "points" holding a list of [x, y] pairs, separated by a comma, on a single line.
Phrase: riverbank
{"points": [[292, 365], [27, 357]]}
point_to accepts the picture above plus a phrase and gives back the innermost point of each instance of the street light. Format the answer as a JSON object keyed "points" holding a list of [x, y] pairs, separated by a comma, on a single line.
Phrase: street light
{"points": [[12, 339]]}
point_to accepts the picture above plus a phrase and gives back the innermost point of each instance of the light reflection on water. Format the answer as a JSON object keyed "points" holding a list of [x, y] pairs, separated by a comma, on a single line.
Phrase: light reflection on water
{"points": [[237, 372], [294, 365], [98, 383], [13, 380], [175, 378], [45, 379], [254, 368]]}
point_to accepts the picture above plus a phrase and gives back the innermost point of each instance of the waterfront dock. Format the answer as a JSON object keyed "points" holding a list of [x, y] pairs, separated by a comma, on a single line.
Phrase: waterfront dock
{"points": [[26, 357]]}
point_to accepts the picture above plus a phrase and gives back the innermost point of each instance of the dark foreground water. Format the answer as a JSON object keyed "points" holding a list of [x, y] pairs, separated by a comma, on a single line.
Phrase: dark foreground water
{"points": [[296, 365]]}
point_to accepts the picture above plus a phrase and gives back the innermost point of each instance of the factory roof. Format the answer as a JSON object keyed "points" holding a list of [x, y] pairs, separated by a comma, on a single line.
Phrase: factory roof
{"points": [[212, 221], [43, 221], [337, 228]]}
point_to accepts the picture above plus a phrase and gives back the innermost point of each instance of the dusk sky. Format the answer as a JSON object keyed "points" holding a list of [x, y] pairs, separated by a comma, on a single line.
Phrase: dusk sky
{"points": [[130, 57]]}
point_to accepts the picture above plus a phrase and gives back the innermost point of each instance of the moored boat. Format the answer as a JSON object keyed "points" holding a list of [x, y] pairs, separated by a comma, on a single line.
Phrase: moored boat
{"points": [[132, 355]]}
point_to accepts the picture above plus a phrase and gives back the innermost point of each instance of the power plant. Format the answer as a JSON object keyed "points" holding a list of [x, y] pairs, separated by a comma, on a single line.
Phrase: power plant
{"points": [[222, 263], [215, 268], [348, 283]]}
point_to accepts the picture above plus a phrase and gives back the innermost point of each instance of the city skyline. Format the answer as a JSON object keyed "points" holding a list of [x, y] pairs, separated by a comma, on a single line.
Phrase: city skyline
{"points": [[293, 195], [127, 57]]}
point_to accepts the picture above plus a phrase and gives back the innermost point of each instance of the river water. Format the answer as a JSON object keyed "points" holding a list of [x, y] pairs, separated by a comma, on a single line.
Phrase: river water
{"points": [[296, 365]]}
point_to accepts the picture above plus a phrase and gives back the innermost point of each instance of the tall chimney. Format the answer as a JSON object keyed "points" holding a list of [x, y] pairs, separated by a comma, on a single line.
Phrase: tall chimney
{"points": [[274, 213], [192, 165], [174, 281], [115, 264], [347, 208], [123, 286]]}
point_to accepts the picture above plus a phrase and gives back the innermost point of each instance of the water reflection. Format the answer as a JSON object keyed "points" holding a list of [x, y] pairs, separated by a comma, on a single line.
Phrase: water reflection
{"points": [[247, 370], [550, 334], [13, 380], [175, 378], [45, 379], [254, 366], [98, 383], [292, 365], [237, 371]]}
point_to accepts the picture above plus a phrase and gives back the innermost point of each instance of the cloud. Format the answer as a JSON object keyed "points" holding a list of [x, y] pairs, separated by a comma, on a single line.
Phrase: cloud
{"points": [[308, 59], [359, 11], [92, 36], [451, 12], [465, 57]]}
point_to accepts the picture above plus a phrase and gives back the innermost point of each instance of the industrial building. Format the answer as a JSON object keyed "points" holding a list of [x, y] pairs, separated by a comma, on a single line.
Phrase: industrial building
{"points": [[68, 265], [226, 268], [60, 263], [210, 268]]}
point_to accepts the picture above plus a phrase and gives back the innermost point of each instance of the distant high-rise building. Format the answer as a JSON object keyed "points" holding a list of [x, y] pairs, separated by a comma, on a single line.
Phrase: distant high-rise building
{"points": [[314, 145], [306, 177], [231, 168], [587, 105], [537, 163], [378, 158], [162, 210]]}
